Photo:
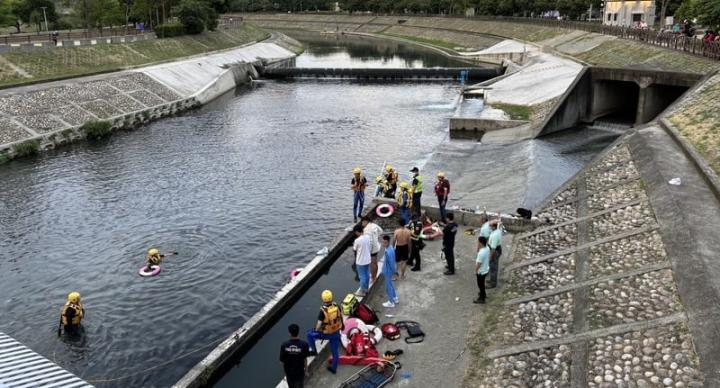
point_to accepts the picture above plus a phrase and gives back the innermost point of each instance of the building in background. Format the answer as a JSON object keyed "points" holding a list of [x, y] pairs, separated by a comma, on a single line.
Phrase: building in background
{"points": [[638, 13]]}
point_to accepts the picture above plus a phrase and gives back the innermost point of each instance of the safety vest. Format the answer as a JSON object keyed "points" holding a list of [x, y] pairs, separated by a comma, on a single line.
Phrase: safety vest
{"points": [[359, 184], [333, 319], [401, 199], [154, 260], [75, 320], [418, 188], [392, 177]]}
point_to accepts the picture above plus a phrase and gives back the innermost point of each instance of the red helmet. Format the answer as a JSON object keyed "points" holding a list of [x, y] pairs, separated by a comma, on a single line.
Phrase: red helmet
{"points": [[390, 331]]}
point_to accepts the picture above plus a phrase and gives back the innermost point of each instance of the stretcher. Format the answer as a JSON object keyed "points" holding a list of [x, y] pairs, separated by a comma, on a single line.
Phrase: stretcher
{"points": [[375, 375]]}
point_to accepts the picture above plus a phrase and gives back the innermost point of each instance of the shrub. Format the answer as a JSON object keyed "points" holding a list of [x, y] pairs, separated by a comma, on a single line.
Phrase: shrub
{"points": [[26, 148], [169, 30], [196, 16], [95, 130]]}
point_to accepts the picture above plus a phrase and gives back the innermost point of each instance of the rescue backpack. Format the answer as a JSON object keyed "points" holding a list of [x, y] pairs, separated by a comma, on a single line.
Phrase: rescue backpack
{"points": [[415, 333], [366, 314]]}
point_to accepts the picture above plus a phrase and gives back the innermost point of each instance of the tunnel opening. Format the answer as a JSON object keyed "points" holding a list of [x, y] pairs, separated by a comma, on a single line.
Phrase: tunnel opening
{"points": [[614, 102]]}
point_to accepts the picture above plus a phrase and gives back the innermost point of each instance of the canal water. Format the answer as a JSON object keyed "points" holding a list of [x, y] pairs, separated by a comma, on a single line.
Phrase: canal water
{"points": [[244, 189]]}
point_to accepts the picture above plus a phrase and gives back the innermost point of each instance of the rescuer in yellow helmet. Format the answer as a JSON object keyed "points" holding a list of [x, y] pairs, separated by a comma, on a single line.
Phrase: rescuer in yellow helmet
{"points": [[154, 257], [382, 186], [391, 177], [404, 200], [328, 326], [358, 185], [72, 314]]}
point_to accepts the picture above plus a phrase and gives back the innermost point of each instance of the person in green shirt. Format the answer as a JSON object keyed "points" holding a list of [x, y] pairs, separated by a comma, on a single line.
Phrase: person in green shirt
{"points": [[495, 245], [482, 267]]}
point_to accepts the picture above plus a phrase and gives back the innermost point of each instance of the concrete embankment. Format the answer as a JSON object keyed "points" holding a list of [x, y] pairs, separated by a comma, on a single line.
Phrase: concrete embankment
{"points": [[43, 116]]}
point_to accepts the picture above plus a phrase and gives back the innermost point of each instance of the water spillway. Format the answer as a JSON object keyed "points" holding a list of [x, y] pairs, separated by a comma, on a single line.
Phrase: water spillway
{"points": [[418, 74]]}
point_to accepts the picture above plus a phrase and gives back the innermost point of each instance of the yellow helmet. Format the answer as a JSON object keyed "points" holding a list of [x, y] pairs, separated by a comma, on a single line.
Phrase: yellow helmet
{"points": [[153, 252], [357, 170], [441, 174], [326, 296], [404, 185], [74, 297], [388, 168], [378, 179]]}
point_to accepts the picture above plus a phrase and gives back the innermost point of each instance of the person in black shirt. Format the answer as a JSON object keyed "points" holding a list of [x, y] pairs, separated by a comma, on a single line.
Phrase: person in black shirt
{"points": [[449, 232], [293, 355]]}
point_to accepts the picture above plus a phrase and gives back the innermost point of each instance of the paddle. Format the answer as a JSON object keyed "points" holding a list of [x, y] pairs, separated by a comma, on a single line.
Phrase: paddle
{"points": [[169, 254], [60, 327]]}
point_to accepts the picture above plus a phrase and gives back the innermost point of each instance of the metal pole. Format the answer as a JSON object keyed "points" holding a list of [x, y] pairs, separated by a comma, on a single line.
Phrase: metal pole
{"points": [[45, 17]]}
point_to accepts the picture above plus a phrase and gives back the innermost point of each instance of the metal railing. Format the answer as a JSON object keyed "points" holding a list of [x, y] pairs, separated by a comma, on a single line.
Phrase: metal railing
{"points": [[665, 39], [70, 35]]}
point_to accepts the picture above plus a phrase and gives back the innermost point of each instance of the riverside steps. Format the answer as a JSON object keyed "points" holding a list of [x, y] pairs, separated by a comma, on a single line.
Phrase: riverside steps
{"points": [[420, 74]]}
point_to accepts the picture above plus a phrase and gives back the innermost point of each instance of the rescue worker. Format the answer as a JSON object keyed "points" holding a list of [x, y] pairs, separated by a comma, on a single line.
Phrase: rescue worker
{"points": [[391, 177], [416, 243], [358, 185], [381, 187], [328, 327], [72, 314], [404, 200], [442, 191], [417, 189], [154, 258]]}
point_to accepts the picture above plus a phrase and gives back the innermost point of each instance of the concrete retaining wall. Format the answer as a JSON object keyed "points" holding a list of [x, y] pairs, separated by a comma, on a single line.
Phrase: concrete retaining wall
{"points": [[49, 115], [484, 125]]}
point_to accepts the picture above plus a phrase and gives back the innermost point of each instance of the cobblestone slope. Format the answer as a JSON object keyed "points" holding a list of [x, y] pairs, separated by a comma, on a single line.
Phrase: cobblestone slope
{"points": [[594, 300]]}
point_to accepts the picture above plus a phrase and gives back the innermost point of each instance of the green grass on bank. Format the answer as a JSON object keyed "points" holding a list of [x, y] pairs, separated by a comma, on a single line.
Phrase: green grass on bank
{"points": [[48, 64], [516, 112], [698, 120]]}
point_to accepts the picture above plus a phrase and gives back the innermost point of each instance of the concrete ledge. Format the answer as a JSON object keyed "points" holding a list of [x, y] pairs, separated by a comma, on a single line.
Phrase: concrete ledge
{"points": [[484, 125], [471, 218]]}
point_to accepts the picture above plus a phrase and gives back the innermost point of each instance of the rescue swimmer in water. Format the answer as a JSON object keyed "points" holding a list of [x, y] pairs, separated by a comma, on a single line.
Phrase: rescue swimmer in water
{"points": [[72, 314], [154, 258]]}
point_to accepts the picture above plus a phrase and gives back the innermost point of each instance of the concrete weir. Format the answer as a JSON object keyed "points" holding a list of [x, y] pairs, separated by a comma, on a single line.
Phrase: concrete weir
{"points": [[478, 74], [48, 115]]}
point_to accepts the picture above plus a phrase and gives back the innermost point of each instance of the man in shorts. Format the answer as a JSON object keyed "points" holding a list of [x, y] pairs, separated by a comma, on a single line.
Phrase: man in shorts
{"points": [[402, 249]]}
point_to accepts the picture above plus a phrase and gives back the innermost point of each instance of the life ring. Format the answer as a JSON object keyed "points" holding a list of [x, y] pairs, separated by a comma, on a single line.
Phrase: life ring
{"points": [[294, 273], [431, 232], [377, 334], [385, 210], [155, 270]]}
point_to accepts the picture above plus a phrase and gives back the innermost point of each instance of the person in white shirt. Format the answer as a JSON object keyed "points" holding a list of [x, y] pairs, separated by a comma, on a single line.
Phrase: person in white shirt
{"points": [[362, 248], [373, 231]]}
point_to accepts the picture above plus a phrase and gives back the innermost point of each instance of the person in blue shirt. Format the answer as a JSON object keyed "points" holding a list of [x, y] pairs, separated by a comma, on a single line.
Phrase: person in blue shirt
{"points": [[482, 267], [389, 270]]}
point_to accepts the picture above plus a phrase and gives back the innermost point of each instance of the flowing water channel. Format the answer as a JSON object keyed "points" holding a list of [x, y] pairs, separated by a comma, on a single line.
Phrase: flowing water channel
{"points": [[245, 189]]}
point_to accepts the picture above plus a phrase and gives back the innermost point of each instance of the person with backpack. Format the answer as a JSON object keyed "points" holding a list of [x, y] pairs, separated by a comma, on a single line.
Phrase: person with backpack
{"points": [[449, 232], [389, 269], [293, 355], [328, 327]]}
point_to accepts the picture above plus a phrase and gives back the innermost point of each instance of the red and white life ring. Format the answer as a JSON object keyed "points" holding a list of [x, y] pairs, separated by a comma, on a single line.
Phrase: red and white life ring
{"points": [[385, 210], [431, 232]]}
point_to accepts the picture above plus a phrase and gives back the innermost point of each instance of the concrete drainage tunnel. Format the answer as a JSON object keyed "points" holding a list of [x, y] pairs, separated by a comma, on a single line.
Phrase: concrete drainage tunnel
{"points": [[227, 165]]}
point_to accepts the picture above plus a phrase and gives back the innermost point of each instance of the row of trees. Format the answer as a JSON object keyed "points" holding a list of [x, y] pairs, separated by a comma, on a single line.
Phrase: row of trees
{"points": [[69, 14]]}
